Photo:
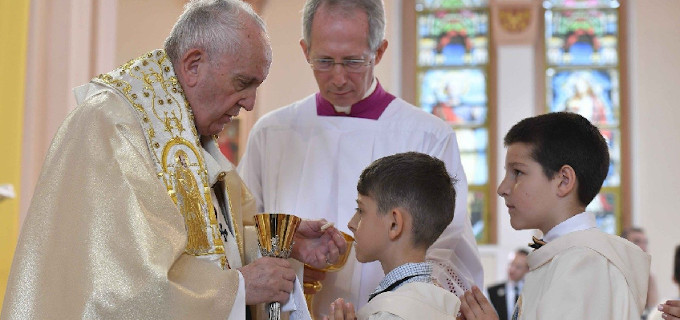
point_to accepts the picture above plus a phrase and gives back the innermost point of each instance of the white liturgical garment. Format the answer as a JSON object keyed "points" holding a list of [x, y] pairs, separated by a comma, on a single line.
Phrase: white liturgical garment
{"points": [[585, 274]]}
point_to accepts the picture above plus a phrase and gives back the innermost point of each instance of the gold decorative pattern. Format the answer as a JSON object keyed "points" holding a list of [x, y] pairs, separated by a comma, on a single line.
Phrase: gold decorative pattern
{"points": [[514, 20], [188, 199], [151, 86]]}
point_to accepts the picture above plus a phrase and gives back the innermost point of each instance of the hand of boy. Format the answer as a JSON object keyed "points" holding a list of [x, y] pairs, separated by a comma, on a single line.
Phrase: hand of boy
{"points": [[318, 247], [341, 311], [474, 306], [670, 309]]}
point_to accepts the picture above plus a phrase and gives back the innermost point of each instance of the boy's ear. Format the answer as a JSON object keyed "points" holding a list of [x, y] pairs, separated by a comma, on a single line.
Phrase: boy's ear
{"points": [[396, 220], [566, 177]]}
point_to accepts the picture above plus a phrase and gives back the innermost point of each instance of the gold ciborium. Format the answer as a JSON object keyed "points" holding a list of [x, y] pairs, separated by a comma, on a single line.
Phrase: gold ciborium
{"points": [[316, 285], [275, 232]]}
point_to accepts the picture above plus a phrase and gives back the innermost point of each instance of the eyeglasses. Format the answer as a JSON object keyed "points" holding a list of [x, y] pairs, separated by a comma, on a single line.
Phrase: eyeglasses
{"points": [[350, 65]]}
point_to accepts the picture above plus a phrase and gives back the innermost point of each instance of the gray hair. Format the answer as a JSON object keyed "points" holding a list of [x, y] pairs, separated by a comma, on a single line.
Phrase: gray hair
{"points": [[212, 25], [374, 10]]}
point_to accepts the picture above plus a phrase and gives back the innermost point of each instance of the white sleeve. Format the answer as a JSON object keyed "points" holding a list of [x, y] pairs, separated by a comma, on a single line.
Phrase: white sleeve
{"points": [[297, 305], [454, 255], [238, 310], [251, 165]]}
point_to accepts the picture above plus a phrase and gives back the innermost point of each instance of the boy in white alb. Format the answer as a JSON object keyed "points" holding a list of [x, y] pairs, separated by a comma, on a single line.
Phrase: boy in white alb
{"points": [[405, 202], [555, 165]]}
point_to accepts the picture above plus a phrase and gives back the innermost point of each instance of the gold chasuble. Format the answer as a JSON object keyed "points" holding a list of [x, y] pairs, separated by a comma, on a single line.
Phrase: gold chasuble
{"points": [[122, 223], [150, 85]]}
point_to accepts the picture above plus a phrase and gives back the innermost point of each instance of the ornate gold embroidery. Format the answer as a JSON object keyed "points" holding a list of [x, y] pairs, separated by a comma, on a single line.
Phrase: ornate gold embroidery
{"points": [[175, 149], [188, 200]]}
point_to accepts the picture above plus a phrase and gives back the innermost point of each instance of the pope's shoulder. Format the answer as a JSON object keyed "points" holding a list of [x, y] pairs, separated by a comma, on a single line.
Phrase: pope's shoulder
{"points": [[104, 105]]}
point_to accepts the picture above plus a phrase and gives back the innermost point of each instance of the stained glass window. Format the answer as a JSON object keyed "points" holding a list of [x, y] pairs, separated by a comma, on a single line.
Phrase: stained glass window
{"points": [[452, 83], [582, 76]]}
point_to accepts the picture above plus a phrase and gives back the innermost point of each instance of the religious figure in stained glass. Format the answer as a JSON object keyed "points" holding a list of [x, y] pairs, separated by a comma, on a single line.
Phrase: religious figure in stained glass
{"points": [[582, 76], [455, 96], [586, 92]]}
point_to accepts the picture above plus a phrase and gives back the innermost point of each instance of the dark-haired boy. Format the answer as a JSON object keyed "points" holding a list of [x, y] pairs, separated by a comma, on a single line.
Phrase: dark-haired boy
{"points": [[405, 201], [555, 165]]}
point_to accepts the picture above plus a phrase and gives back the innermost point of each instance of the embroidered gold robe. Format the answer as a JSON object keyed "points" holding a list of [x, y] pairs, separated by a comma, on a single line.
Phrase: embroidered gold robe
{"points": [[103, 238]]}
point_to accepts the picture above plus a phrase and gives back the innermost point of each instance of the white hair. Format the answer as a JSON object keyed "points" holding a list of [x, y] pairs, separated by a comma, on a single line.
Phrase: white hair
{"points": [[212, 25]]}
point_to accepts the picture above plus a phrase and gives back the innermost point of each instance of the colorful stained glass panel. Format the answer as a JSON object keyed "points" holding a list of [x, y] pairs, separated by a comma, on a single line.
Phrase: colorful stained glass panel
{"points": [[448, 4], [582, 44], [476, 201], [582, 37], [456, 96], [452, 54], [473, 145], [476, 167], [613, 138], [453, 38], [581, 4], [591, 93], [605, 207]]}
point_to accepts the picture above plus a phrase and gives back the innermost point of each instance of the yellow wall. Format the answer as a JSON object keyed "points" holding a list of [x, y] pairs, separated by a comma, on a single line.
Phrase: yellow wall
{"points": [[13, 35]]}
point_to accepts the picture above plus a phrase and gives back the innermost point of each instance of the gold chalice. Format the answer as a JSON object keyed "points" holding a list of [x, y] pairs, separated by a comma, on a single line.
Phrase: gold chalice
{"points": [[316, 285], [275, 232]]}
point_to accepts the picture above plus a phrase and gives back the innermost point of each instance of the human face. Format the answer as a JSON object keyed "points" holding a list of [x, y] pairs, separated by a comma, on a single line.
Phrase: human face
{"points": [[370, 230], [229, 82], [639, 239], [529, 194], [341, 36], [518, 267]]}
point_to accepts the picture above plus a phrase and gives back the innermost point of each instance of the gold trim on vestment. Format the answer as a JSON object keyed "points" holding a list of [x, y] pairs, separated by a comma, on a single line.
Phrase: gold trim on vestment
{"points": [[151, 86]]}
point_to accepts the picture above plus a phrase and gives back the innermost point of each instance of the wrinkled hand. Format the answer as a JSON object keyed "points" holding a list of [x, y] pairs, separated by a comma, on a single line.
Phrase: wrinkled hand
{"points": [[341, 310], [268, 280], [474, 306], [310, 276], [670, 309], [315, 247]]}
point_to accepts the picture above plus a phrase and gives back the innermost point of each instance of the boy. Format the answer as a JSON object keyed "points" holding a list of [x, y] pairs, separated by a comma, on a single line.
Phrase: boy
{"points": [[555, 165], [405, 201]]}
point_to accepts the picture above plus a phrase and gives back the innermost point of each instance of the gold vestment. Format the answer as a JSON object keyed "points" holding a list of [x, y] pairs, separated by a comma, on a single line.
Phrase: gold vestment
{"points": [[104, 237]]}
